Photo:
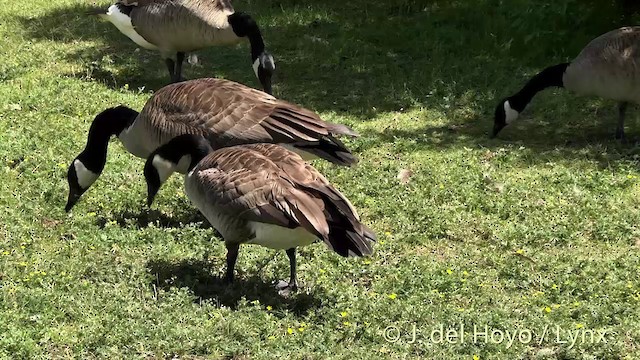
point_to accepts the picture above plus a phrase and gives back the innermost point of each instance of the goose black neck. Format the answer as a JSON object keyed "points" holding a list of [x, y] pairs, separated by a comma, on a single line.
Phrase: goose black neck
{"points": [[243, 25], [551, 76], [110, 122]]}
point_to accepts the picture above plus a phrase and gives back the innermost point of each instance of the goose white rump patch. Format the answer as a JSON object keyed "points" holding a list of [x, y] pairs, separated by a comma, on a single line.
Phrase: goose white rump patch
{"points": [[510, 114], [278, 237], [85, 176], [123, 23]]}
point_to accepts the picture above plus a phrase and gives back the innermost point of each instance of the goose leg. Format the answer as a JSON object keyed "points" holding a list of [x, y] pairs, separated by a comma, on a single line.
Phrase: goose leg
{"points": [[622, 108], [232, 256], [284, 287], [171, 66], [178, 69]]}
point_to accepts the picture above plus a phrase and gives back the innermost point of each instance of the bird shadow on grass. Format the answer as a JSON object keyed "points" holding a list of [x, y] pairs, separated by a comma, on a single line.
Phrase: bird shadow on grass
{"points": [[544, 143], [364, 59], [376, 46], [196, 276], [142, 219]]}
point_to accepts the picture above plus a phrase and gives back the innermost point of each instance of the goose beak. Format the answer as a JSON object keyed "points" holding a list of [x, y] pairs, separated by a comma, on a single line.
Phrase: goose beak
{"points": [[496, 129], [72, 200], [151, 194], [267, 88], [265, 81]]}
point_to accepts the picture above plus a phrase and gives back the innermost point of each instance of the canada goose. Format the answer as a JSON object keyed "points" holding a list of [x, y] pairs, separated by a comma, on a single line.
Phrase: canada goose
{"points": [[225, 112], [607, 67], [176, 27], [261, 194]]}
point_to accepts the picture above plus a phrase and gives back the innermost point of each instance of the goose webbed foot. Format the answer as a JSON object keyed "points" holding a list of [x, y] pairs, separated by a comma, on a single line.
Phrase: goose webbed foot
{"points": [[622, 108], [286, 288]]}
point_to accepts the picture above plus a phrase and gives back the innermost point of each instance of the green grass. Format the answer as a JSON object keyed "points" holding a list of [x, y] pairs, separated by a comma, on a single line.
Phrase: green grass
{"points": [[534, 230]]}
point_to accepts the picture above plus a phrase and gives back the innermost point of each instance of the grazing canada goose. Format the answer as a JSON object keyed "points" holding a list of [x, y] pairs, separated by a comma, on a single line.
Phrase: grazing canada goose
{"points": [[176, 27], [261, 194], [225, 112], [608, 67]]}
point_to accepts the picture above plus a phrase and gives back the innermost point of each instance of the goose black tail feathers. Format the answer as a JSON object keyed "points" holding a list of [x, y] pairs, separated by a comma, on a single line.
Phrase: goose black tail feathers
{"points": [[331, 149], [347, 235]]}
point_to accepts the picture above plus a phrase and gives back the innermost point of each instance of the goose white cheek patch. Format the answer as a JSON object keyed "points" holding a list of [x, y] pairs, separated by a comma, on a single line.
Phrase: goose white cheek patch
{"points": [[164, 167], [85, 176], [183, 164], [256, 64], [510, 114]]}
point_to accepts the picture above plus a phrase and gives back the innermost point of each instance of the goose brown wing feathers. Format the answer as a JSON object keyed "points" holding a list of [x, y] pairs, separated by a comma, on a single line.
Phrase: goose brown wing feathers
{"points": [[232, 114], [268, 183]]}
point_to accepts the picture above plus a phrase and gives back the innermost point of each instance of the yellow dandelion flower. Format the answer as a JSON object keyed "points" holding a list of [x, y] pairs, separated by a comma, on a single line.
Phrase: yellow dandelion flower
{"points": [[388, 233], [554, 287], [465, 273], [289, 331], [346, 323], [91, 214], [520, 252], [579, 326], [392, 296], [366, 262], [476, 357], [6, 252], [547, 309], [629, 285], [301, 328], [269, 308], [449, 271], [344, 314], [271, 337]]}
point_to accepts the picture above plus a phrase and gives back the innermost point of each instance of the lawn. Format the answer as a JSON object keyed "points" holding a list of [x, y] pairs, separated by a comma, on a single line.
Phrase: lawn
{"points": [[531, 237]]}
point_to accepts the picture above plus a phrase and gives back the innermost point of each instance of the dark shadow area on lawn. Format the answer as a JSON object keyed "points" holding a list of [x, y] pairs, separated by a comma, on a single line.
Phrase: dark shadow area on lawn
{"points": [[592, 143], [142, 219], [361, 59], [365, 58], [196, 275]]}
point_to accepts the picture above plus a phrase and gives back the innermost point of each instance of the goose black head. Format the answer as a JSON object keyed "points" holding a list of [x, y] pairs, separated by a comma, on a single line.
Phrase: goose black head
{"points": [[88, 165], [183, 151], [264, 66], [504, 115]]}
